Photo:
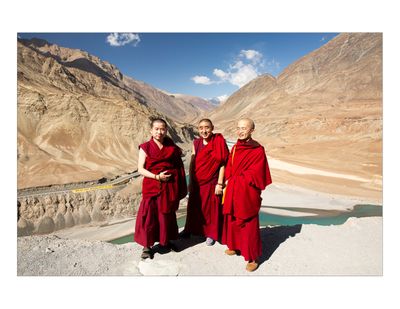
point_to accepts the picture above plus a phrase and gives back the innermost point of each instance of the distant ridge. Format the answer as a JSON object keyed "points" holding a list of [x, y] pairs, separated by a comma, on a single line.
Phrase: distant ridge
{"points": [[80, 118], [322, 111]]}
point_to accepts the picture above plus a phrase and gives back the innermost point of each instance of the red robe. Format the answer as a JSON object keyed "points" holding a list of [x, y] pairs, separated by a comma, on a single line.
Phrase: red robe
{"points": [[248, 174], [204, 213], [156, 218]]}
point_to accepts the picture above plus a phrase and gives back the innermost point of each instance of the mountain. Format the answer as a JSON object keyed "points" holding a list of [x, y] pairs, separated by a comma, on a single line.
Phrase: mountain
{"points": [[182, 109], [323, 111], [80, 118], [216, 101], [202, 104]]}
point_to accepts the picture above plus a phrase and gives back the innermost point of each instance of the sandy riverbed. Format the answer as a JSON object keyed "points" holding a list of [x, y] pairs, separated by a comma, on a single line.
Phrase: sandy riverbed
{"points": [[353, 248], [276, 195]]}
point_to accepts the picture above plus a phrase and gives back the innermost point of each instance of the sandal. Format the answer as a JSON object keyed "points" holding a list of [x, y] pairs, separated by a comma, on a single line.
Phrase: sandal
{"points": [[146, 253]]}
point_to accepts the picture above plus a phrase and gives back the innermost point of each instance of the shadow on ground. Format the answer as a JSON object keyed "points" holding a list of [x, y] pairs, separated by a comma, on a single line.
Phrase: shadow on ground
{"points": [[181, 244], [272, 237]]}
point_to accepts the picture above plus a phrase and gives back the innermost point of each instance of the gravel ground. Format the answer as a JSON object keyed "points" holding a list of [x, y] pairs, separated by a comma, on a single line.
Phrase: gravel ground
{"points": [[353, 248]]}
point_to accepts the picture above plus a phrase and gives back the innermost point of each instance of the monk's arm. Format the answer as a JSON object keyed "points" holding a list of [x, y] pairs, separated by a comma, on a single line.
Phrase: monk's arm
{"points": [[221, 174], [141, 169], [191, 167], [220, 185]]}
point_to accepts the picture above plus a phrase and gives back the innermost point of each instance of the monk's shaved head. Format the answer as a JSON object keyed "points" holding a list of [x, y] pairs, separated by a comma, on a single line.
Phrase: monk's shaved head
{"points": [[157, 120], [244, 128], [249, 122], [206, 120]]}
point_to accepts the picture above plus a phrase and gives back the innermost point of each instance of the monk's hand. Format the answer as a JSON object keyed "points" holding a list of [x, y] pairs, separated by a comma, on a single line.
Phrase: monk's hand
{"points": [[218, 189], [163, 176]]}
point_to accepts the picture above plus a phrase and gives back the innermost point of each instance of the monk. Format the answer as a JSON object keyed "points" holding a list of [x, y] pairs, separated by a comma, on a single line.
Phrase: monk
{"points": [[206, 182], [247, 174], [164, 184]]}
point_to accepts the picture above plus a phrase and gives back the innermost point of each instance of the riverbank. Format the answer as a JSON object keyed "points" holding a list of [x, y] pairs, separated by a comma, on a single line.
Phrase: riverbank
{"points": [[278, 199], [351, 248], [354, 248]]}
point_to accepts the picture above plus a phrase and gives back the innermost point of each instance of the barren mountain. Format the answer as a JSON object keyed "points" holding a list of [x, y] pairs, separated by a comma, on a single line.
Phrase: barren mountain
{"points": [[78, 118], [200, 103], [183, 108], [323, 111]]}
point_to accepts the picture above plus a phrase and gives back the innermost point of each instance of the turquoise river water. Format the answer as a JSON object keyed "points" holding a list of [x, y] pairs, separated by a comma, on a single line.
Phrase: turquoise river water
{"points": [[324, 217]]}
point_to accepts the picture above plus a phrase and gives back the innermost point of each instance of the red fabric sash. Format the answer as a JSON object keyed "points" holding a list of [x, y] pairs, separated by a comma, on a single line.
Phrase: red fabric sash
{"points": [[248, 174], [210, 158], [159, 160]]}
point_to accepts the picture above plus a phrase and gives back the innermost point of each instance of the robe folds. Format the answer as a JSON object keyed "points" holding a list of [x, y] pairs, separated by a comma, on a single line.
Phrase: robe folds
{"points": [[204, 210], [209, 158], [247, 173], [156, 218]]}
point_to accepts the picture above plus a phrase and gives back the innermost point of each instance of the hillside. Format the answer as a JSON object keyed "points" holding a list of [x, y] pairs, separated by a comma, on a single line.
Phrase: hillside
{"points": [[323, 111], [78, 119]]}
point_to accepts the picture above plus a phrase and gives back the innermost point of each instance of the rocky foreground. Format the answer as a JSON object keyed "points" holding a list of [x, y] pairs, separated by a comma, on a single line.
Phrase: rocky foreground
{"points": [[354, 248]]}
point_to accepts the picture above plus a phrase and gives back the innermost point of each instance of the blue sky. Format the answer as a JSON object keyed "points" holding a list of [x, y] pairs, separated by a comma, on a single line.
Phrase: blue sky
{"points": [[208, 65]]}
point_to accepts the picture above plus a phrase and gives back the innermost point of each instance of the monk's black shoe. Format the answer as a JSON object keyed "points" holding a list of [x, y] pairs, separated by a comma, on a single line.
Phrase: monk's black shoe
{"points": [[162, 249], [147, 253]]}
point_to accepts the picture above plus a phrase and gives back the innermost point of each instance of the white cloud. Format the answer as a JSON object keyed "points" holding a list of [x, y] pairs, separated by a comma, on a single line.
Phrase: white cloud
{"points": [[203, 80], [217, 100], [239, 73], [252, 55], [248, 65], [237, 65], [121, 39], [221, 74], [245, 68], [222, 98], [243, 75]]}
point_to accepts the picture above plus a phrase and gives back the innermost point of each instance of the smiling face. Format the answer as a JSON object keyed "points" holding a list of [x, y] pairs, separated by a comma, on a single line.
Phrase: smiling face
{"points": [[158, 131], [205, 129], [244, 129]]}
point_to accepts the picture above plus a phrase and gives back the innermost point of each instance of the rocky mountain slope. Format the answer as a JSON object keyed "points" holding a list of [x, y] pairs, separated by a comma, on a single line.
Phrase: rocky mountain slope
{"points": [[80, 118], [323, 111]]}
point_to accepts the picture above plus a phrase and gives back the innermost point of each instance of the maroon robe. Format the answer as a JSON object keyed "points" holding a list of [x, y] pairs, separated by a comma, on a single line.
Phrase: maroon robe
{"points": [[156, 218], [248, 174], [204, 211]]}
